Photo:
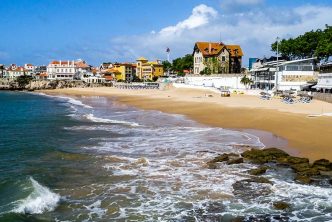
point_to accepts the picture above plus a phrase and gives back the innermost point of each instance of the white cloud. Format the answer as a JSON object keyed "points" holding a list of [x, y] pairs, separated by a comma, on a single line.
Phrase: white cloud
{"points": [[254, 30], [200, 16]]}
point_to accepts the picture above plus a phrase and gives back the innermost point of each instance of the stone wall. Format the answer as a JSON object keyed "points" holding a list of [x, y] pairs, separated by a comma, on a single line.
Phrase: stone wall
{"points": [[327, 97]]}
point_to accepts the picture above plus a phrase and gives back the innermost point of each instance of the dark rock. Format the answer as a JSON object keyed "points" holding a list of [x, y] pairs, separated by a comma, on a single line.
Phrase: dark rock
{"points": [[212, 165], [258, 171], [235, 161], [221, 158], [303, 179], [264, 155], [281, 205], [322, 162], [252, 188], [309, 172], [323, 165], [290, 160], [301, 167]]}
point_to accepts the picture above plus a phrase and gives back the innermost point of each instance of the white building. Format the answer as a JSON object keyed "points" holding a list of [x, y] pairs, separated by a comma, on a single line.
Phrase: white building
{"points": [[61, 70], [324, 83], [295, 74], [14, 71], [292, 75]]}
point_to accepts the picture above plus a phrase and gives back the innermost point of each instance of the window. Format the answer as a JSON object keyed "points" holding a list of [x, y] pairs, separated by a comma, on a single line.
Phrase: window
{"points": [[223, 58]]}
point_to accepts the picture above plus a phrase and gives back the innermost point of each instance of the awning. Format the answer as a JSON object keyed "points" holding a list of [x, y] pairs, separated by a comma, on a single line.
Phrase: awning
{"points": [[259, 69], [321, 87]]}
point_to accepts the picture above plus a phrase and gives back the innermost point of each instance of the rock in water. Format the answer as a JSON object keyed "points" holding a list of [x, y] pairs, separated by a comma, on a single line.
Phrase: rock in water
{"points": [[322, 164], [281, 205], [264, 155], [235, 161], [252, 188], [258, 171]]}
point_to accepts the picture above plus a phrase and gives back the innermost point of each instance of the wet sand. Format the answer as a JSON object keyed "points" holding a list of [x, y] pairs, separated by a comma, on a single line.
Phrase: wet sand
{"points": [[283, 125]]}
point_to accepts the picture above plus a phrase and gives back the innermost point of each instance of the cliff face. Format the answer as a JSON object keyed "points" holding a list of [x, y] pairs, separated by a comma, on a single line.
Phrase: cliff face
{"points": [[47, 84]]}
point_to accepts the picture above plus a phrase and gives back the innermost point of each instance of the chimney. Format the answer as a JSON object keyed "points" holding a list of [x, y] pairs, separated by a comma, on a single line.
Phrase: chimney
{"points": [[209, 47]]}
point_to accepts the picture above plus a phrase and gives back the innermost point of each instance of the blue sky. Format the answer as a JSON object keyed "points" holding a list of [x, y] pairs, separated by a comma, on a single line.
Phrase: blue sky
{"points": [[37, 31]]}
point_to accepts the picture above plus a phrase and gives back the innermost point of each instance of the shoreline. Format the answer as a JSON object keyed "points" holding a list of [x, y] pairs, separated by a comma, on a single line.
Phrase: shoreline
{"points": [[305, 136]]}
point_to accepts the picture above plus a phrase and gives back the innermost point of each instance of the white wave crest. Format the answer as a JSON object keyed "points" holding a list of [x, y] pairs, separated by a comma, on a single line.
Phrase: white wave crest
{"points": [[103, 120], [69, 100], [40, 200]]}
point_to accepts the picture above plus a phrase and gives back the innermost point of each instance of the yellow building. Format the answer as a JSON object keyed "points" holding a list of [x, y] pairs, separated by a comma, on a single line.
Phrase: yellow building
{"points": [[147, 70], [123, 71]]}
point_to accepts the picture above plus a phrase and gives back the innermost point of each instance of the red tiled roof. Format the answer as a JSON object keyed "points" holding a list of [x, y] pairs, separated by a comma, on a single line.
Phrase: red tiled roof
{"points": [[235, 50], [209, 48], [62, 62], [214, 48]]}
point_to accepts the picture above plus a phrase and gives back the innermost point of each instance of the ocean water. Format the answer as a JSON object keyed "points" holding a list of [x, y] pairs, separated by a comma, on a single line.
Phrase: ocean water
{"points": [[94, 159]]}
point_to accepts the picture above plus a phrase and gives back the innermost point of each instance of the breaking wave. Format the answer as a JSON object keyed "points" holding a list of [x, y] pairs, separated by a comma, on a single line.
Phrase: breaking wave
{"points": [[103, 120], [41, 199]]}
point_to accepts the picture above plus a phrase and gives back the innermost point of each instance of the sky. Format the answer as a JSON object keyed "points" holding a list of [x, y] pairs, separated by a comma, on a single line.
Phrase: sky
{"points": [[38, 31]]}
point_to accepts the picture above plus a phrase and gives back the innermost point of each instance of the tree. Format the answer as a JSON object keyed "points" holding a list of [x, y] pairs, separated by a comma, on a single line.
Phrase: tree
{"points": [[246, 81], [167, 65], [183, 63], [314, 43], [23, 81]]}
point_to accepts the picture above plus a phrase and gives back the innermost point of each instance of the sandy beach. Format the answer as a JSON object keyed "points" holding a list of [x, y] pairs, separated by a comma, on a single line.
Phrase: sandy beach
{"points": [[305, 136]]}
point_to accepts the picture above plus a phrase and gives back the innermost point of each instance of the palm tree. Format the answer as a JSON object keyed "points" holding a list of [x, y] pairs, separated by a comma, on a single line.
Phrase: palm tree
{"points": [[246, 81]]}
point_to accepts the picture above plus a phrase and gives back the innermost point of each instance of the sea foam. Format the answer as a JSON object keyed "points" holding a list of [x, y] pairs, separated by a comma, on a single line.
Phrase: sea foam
{"points": [[41, 199], [68, 99], [104, 120]]}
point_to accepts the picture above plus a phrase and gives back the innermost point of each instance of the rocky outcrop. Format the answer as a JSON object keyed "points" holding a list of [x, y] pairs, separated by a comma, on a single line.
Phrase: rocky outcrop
{"points": [[258, 171], [47, 84], [252, 188], [318, 173]]}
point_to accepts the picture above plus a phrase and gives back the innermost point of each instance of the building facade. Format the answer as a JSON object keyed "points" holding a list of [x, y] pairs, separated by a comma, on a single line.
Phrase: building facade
{"points": [[268, 74], [14, 71], [217, 58], [324, 81], [61, 70], [124, 71], [146, 70]]}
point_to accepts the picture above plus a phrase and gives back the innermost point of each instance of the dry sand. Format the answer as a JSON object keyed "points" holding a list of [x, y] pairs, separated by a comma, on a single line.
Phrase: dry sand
{"points": [[307, 136]]}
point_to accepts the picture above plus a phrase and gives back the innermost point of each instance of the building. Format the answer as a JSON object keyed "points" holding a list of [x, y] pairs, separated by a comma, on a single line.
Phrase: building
{"points": [[217, 58], [263, 72], [148, 70], [14, 71], [296, 74], [292, 75], [324, 83], [124, 71], [82, 70], [251, 62], [61, 70], [2, 70]]}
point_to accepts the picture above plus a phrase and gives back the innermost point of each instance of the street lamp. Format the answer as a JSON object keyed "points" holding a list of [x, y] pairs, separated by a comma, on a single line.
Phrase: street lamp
{"points": [[277, 70]]}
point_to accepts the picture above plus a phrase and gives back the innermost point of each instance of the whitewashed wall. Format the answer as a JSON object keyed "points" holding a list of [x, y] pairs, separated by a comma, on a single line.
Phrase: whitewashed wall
{"points": [[231, 81]]}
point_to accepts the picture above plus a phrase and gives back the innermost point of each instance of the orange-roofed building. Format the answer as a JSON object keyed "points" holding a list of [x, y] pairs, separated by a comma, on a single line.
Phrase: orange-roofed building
{"points": [[215, 57], [14, 71], [61, 70]]}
